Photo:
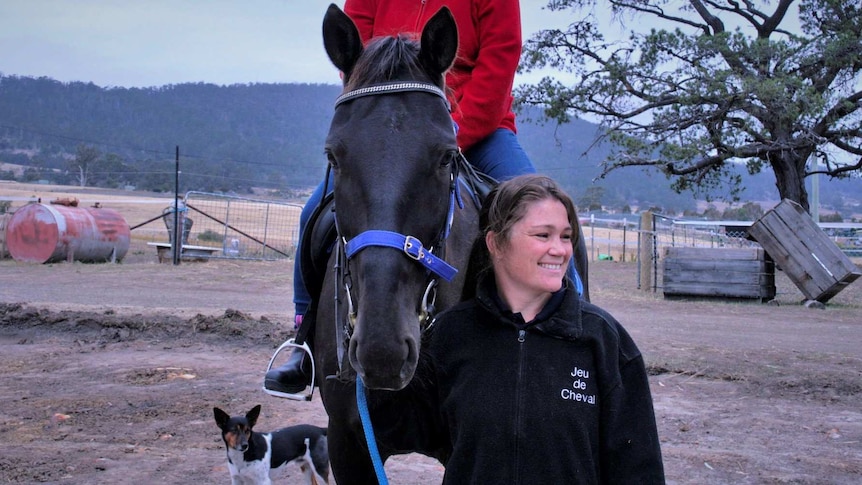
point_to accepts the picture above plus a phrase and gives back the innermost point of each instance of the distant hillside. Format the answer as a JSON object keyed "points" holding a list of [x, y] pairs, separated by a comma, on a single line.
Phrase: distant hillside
{"points": [[230, 137], [233, 138]]}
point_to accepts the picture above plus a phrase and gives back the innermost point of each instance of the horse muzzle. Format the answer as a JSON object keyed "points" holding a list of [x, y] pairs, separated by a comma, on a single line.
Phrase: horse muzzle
{"points": [[384, 362]]}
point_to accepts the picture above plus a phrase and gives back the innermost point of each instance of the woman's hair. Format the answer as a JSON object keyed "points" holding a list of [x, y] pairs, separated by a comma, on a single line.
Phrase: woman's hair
{"points": [[507, 204]]}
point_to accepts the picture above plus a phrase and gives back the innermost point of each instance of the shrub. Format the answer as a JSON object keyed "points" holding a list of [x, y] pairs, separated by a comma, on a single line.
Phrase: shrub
{"points": [[210, 235]]}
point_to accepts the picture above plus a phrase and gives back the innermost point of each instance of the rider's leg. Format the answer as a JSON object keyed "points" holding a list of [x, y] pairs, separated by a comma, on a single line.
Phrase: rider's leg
{"points": [[295, 375], [500, 155], [301, 297]]}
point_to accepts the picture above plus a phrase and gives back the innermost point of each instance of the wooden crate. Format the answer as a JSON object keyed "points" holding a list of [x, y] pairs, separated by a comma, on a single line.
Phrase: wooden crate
{"points": [[803, 251], [718, 272]]}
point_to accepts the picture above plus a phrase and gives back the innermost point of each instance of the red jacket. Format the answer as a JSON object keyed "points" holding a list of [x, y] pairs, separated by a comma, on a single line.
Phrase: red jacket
{"points": [[489, 33]]}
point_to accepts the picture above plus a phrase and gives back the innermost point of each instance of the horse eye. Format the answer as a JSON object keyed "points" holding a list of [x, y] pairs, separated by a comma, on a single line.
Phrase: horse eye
{"points": [[447, 159], [330, 158]]}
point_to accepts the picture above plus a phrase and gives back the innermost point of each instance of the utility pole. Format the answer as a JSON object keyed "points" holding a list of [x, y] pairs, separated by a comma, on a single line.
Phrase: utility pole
{"points": [[814, 202]]}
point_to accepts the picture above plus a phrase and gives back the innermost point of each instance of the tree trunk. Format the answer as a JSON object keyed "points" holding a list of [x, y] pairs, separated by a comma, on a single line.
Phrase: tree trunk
{"points": [[82, 177], [789, 169]]}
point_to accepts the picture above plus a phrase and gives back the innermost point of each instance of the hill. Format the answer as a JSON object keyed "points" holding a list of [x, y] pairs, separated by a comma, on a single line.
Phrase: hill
{"points": [[238, 137]]}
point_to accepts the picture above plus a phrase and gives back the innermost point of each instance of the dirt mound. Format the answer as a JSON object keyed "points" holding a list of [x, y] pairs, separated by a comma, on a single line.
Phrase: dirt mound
{"points": [[109, 327]]}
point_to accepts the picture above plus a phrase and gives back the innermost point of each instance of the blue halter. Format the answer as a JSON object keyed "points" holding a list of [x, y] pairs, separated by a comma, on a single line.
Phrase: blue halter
{"points": [[411, 246]]}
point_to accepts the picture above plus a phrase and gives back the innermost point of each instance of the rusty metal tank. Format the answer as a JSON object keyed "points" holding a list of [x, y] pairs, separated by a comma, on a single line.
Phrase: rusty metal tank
{"points": [[47, 233]]}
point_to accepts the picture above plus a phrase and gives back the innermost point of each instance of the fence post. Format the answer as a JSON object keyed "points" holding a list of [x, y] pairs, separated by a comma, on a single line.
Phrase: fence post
{"points": [[645, 250], [625, 228]]}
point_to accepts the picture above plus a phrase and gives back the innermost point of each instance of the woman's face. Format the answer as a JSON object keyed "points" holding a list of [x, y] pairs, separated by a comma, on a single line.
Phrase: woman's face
{"points": [[537, 255]]}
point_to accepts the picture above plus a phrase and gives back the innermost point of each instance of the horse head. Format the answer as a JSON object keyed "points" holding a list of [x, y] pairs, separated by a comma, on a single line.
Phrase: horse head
{"points": [[392, 152]]}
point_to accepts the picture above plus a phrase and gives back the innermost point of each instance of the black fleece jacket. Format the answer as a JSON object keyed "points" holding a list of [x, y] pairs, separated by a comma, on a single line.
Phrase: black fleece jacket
{"points": [[561, 399]]}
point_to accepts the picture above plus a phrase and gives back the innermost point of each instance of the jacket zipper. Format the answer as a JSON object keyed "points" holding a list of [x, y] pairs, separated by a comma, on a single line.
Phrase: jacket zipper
{"points": [[417, 26], [522, 335]]}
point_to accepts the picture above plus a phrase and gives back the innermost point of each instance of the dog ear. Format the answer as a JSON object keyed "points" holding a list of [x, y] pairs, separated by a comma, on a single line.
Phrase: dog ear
{"points": [[221, 417], [252, 415]]}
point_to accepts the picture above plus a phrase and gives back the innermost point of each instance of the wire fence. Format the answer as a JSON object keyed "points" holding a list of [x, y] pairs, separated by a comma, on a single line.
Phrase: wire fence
{"points": [[224, 226], [611, 239], [617, 238], [643, 239]]}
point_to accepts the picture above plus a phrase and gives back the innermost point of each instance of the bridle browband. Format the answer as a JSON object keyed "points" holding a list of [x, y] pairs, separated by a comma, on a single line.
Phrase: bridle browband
{"points": [[392, 88]]}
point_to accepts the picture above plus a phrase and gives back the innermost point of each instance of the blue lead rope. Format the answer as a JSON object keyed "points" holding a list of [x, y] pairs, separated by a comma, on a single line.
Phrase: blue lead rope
{"points": [[579, 284], [365, 417]]}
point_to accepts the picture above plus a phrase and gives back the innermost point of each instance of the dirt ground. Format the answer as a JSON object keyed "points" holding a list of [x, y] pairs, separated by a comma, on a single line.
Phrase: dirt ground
{"points": [[109, 373]]}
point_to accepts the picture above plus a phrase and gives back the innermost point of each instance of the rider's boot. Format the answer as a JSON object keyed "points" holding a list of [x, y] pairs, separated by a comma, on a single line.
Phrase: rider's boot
{"points": [[294, 375]]}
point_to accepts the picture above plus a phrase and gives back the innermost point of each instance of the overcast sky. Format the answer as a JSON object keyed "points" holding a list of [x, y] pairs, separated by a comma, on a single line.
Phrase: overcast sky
{"points": [[145, 43]]}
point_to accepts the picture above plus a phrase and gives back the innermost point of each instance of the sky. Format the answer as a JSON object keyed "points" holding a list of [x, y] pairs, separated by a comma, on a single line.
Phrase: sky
{"points": [[144, 43]]}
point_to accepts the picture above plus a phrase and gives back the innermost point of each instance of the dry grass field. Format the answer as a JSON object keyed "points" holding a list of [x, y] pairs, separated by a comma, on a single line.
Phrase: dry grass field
{"points": [[142, 211]]}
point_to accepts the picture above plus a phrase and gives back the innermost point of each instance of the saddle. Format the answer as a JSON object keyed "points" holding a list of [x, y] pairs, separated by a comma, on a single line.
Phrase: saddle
{"points": [[316, 245]]}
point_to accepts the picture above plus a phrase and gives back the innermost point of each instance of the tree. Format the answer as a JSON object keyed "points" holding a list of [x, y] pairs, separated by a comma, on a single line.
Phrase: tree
{"points": [[692, 100], [85, 159], [110, 170], [591, 200], [750, 211]]}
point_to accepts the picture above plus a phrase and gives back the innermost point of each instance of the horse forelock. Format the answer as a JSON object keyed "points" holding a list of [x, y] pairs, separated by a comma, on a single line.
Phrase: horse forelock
{"points": [[386, 59]]}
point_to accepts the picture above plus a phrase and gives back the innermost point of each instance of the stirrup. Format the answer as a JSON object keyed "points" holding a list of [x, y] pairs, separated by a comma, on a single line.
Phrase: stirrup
{"points": [[300, 396]]}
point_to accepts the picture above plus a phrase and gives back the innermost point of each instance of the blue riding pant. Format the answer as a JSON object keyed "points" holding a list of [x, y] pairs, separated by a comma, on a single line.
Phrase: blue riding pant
{"points": [[499, 155]]}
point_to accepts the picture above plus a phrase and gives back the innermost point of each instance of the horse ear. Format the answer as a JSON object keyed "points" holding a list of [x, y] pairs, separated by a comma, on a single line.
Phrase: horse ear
{"points": [[341, 39], [439, 43]]}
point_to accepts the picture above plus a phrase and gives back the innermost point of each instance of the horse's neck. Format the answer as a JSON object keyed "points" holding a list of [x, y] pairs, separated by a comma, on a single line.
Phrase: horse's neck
{"points": [[465, 228]]}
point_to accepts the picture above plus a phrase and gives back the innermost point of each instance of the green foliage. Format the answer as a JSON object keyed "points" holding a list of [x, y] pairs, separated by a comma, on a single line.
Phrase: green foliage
{"points": [[43, 123], [691, 95], [591, 199], [231, 138], [211, 236], [750, 211], [831, 217], [712, 213]]}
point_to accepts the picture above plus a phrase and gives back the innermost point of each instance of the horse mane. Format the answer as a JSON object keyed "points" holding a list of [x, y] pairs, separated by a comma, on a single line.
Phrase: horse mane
{"points": [[386, 59]]}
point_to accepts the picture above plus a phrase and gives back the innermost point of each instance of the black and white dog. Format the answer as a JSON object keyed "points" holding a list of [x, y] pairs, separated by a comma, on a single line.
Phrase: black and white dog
{"points": [[252, 456]]}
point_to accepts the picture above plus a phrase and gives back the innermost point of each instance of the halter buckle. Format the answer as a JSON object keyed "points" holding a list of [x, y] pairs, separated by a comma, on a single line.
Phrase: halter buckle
{"points": [[413, 248]]}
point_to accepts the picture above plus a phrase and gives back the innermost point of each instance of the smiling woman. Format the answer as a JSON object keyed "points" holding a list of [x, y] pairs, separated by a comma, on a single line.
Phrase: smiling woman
{"points": [[531, 254], [528, 343]]}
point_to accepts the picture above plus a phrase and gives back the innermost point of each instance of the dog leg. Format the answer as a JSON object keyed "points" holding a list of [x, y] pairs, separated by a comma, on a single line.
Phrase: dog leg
{"points": [[306, 464]]}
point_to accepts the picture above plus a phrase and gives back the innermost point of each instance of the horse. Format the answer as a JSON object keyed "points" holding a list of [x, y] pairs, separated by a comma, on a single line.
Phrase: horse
{"points": [[405, 228]]}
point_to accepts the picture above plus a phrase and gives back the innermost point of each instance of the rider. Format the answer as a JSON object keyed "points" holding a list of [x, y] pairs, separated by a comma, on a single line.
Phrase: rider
{"points": [[481, 79]]}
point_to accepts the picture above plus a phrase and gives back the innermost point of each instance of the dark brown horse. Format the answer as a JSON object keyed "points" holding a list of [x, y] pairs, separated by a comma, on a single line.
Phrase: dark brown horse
{"points": [[405, 227]]}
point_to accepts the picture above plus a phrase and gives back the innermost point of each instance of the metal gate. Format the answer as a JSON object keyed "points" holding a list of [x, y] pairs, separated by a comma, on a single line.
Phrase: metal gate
{"points": [[239, 227]]}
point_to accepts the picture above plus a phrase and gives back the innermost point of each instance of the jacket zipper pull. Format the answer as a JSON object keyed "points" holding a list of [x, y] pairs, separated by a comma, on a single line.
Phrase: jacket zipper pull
{"points": [[521, 335]]}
